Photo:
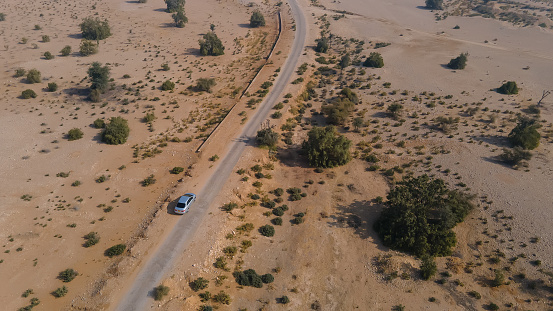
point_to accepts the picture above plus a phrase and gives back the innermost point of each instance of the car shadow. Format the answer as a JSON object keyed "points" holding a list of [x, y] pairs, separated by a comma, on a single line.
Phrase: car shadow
{"points": [[171, 207]]}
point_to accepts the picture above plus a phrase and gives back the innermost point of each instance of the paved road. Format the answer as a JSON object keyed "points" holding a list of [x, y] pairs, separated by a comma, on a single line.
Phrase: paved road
{"points": [[139, 296]]}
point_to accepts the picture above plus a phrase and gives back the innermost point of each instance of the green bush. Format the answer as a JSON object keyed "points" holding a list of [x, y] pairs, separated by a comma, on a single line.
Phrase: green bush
{"points": [[115, 250], [67, 275], [28, 93], [222, 297], [394, 110], [284, 299], [99, 123], [88, 47], [525, 134], [2, 17], [199, 284], [374, 60], [460, 62], [33, 76], [205, 84], [150, 180], [65, 51], [60, 292], [92, 238], [45, 38], [323, 45], [52, 87], [278, 212], [428, 267], [338, 111], [492, 306], [149, 117], [499, 278], [174, 5], [248, 278], [277, 221], [116, 131], [74, 134], [20, 72], [95, 29], [177, 170], [434, 4], [168, 85], [267, 230], [211, 45], [48, 55], [205, 308], [267, 137], [257, 19], [267, 278], [515, 156], [326, 148], [508, 88], [160, 292], [419, 215]]}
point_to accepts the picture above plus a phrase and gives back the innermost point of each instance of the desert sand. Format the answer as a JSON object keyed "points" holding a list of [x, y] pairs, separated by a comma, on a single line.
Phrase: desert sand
{"points": [[334, 260]]}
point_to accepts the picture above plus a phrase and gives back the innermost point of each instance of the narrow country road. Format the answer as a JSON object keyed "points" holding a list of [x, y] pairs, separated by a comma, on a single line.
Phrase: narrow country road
{"points": [[139, 295]]}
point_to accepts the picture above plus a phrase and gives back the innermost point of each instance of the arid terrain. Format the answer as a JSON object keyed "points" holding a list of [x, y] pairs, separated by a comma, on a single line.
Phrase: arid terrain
{"points": [[324, 254]]}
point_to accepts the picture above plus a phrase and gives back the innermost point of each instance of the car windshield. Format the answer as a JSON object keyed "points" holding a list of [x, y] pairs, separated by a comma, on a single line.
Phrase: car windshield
{"points": [[181, 205]]}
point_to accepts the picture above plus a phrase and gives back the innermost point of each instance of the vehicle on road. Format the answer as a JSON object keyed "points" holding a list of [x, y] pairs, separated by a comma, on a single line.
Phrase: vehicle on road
{"points": [[184, 203]]}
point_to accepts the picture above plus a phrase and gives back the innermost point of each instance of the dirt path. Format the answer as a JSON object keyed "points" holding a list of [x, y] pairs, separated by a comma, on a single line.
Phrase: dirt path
{"points": [[185, 228]]}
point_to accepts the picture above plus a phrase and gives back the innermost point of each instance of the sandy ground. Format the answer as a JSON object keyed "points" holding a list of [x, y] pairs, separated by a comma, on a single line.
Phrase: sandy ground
{"points": [[35, 149], [329, 260]]}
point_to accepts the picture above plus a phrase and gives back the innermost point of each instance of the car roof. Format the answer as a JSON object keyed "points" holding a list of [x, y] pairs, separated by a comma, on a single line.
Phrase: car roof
{"points": [[185, 197]]}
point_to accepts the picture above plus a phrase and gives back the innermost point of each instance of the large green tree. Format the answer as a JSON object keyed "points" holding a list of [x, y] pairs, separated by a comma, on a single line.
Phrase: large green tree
{"points": [[434, 4], [180, 18], [174, 5], [95, 29], [326, 148], [99, 76], [419, 215], [525, 134], [211, 45]]}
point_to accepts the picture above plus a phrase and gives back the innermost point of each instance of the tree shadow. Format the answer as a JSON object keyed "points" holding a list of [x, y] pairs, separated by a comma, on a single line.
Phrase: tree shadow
{"points": [[446, 67], [359, 216], [291, 157], [78, 91], [160, 10], [75, 36], [496, 140], [167, 25], [380, 114], [192, 51], [244, 25]]}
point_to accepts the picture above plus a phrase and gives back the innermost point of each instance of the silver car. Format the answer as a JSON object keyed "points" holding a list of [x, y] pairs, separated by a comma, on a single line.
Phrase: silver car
{"points": [[184, 203]]}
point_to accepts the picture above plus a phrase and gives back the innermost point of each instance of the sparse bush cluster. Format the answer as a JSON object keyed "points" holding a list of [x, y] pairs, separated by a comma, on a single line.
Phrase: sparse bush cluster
{"points": [[91, 238], [251, 278], [199, 284]]}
